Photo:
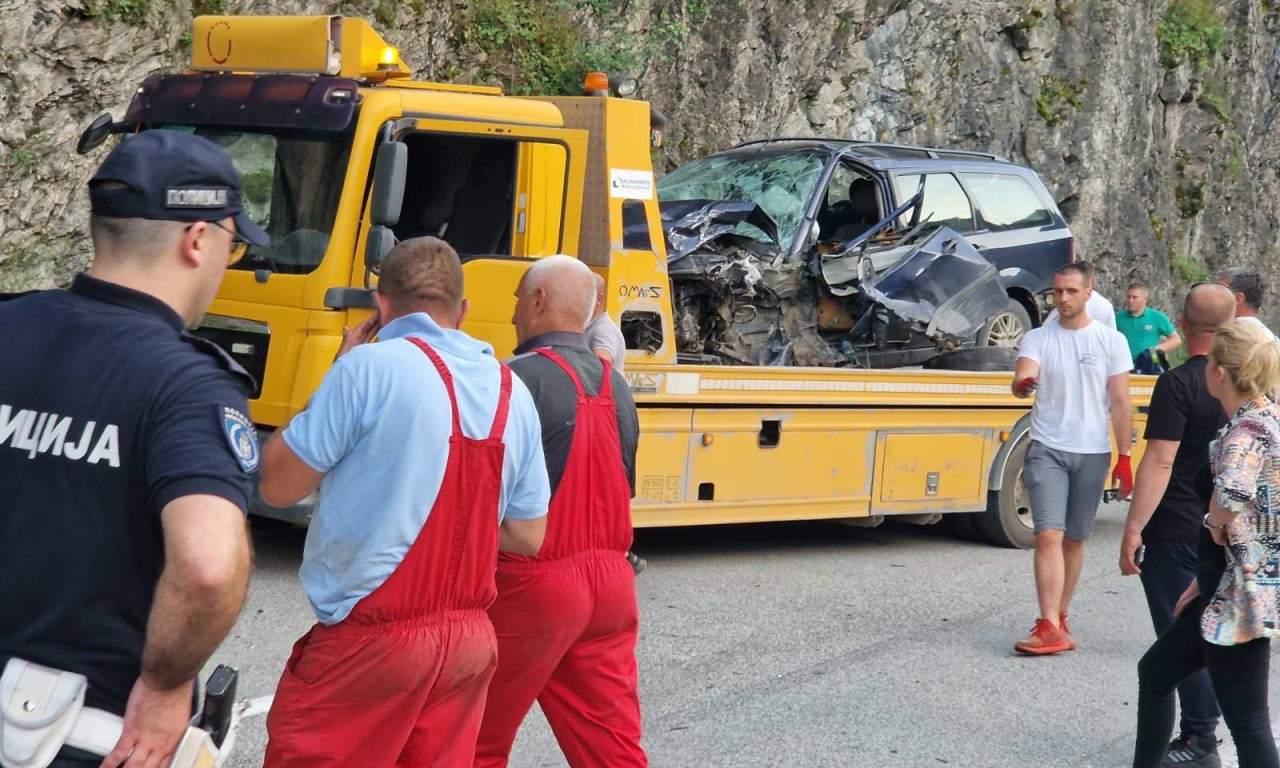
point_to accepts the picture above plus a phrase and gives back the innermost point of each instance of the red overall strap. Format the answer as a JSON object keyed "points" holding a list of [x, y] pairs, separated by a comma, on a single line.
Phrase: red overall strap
{"points": [[504, 405], [568, 369], [448, 381], [606, 382]]}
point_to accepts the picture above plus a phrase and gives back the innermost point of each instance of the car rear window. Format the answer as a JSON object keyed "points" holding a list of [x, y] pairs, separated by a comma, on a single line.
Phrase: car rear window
{"points": [[1006, 202]]}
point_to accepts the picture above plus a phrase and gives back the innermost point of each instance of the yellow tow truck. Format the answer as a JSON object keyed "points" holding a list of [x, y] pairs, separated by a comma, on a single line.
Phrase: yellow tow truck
{"points": [[342, 154]]}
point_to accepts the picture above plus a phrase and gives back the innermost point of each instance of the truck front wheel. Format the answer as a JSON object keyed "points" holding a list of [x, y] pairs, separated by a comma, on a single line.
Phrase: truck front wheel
{"points": [[1007, 521]]}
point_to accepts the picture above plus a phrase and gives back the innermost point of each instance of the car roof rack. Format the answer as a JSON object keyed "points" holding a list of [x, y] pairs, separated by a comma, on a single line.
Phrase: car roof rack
{"points": [[885, 149]]}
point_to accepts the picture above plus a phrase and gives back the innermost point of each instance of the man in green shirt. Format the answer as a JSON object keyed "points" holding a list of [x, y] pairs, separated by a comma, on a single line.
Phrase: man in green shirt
{"points": [[1147, 330]]}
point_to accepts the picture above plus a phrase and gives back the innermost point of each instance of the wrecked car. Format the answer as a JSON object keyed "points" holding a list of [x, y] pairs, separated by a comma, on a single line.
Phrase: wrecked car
{"points": [[841, 253]]}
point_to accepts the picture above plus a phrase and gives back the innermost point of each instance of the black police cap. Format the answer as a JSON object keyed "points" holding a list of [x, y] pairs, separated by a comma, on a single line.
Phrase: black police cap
{"points": [[171, 176]]}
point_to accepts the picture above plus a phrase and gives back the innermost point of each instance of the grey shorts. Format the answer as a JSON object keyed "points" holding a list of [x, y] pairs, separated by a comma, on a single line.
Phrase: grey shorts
{"points": [[1066, 488]]}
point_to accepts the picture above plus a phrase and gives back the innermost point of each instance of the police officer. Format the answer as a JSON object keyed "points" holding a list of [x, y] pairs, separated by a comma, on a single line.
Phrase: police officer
{"points": [[125, 461]]}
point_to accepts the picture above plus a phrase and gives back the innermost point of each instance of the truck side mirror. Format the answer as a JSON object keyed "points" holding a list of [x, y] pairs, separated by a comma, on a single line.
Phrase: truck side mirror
{"points": [[389, 174], [376, 247], [95, 134]]}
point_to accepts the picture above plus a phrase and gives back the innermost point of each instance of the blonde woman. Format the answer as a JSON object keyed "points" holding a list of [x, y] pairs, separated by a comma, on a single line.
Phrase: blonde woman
{"points": [[1229, 614]]}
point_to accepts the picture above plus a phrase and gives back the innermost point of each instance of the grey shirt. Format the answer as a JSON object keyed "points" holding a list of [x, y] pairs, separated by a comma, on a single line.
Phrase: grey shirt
{"points": [[603, 333], [557, 400]]}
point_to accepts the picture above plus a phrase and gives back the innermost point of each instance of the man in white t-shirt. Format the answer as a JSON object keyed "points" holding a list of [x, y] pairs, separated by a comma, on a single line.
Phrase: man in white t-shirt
{"points": [[1079, 370], [1097, 307], [603, 335], [1247, 286]]}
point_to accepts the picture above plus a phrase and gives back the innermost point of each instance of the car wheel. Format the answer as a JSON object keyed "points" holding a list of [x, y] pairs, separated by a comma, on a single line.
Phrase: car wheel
{"points": [[1007, 521], [1007, 328], [975, 359]]}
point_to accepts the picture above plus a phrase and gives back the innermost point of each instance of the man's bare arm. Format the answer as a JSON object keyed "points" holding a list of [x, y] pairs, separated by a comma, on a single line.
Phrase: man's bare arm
{"points": [[1150, 483], [206, 573], [604, 354], [284, 478], [522, 537], [1121, 412], [1169, 343], [1149, 487]]}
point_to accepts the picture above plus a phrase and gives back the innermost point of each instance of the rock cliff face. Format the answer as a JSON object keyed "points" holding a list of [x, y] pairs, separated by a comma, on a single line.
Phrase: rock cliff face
{"points": [[1152, 123]]}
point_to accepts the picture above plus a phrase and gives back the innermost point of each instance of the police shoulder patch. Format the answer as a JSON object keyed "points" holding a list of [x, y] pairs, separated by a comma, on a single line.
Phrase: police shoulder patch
{"points": [[242, 437]]}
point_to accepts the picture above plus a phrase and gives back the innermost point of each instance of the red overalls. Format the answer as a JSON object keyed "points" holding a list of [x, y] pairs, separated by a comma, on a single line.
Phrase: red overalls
{"points": [[566, 619], [401, 681]]}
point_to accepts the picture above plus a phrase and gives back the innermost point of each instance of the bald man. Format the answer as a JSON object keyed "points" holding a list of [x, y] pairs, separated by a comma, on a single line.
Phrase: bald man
{"points": [[1170, 497], [566, 619], [603, 335]]}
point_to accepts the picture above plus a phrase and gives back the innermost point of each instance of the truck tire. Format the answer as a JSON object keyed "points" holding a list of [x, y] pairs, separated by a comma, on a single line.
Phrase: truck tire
{"points": [[1007, 328], [975, 359], [1007, 521]]}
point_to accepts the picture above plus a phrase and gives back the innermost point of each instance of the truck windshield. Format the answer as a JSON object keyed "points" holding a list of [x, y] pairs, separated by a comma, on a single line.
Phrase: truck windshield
{"points": [[782, 183], [292, 185]]}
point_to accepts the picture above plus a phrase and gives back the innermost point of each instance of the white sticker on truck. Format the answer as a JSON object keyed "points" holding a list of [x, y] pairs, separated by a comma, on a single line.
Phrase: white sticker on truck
{"points": [[633, 185]]}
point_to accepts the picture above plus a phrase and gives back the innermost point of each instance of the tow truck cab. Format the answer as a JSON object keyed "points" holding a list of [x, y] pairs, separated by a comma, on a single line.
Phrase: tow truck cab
{"points": [[342, 155]]}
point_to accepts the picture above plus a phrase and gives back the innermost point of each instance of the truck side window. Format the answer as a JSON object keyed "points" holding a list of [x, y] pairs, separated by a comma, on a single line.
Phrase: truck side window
{"points": [[462, 190], [1006, 202], [945, 202], [635, 227]]}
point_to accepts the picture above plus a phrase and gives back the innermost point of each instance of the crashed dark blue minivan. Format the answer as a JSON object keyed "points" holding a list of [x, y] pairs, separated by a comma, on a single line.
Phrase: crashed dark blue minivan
{"points": [[827, 252]]}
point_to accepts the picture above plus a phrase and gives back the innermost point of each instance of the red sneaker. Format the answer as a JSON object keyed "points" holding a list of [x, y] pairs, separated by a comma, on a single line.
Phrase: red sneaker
{"points": [[1066, 630], [1045, 639]]}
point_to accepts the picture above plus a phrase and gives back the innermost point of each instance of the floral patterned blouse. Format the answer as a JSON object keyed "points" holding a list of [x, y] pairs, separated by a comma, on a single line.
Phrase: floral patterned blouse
{"points": [[1246, 479]]}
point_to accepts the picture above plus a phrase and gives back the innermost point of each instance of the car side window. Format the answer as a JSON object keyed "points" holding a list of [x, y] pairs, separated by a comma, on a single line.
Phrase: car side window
{"points": [[945, 202], [1006, 202]]}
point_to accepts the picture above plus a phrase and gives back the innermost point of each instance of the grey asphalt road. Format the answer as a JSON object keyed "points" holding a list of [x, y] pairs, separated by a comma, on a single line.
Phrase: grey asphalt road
{"points": [[821, 645]]}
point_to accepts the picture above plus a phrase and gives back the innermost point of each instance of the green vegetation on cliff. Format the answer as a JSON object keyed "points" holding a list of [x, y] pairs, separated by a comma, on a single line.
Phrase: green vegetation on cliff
{"points": [[1190, 32]]}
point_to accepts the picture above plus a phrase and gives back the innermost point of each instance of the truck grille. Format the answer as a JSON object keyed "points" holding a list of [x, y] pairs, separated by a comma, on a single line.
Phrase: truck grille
{"points": [[245, 340]]}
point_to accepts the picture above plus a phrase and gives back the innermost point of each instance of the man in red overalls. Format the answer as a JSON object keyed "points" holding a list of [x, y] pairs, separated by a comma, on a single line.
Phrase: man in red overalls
{"points": [[566, 619], [400, 555]]}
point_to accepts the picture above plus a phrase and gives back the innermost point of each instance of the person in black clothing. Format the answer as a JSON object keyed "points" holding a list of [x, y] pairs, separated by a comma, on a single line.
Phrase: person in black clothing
{"points": [[125, 460], [1226, 616], [1170, 496]]}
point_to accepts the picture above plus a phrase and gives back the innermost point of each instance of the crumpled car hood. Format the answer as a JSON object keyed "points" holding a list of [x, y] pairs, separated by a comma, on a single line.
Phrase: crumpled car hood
{"points": [[943, 284], [691, 224]]}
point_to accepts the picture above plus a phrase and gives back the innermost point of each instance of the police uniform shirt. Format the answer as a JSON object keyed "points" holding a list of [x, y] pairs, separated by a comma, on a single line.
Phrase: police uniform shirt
{"points": [[557, 399], [109, 410]]}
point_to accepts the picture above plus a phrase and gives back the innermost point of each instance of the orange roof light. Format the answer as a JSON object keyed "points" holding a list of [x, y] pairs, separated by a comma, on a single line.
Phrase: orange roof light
{"points": [[597, 84]]}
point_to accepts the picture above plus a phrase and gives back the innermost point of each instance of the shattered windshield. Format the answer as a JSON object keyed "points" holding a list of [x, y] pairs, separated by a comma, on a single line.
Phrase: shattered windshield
{"points": [[782, 183], [292, 184]]}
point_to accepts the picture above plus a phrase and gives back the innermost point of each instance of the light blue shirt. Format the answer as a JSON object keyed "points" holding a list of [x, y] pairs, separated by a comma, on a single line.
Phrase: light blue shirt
{"points": [[378, 427]]}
